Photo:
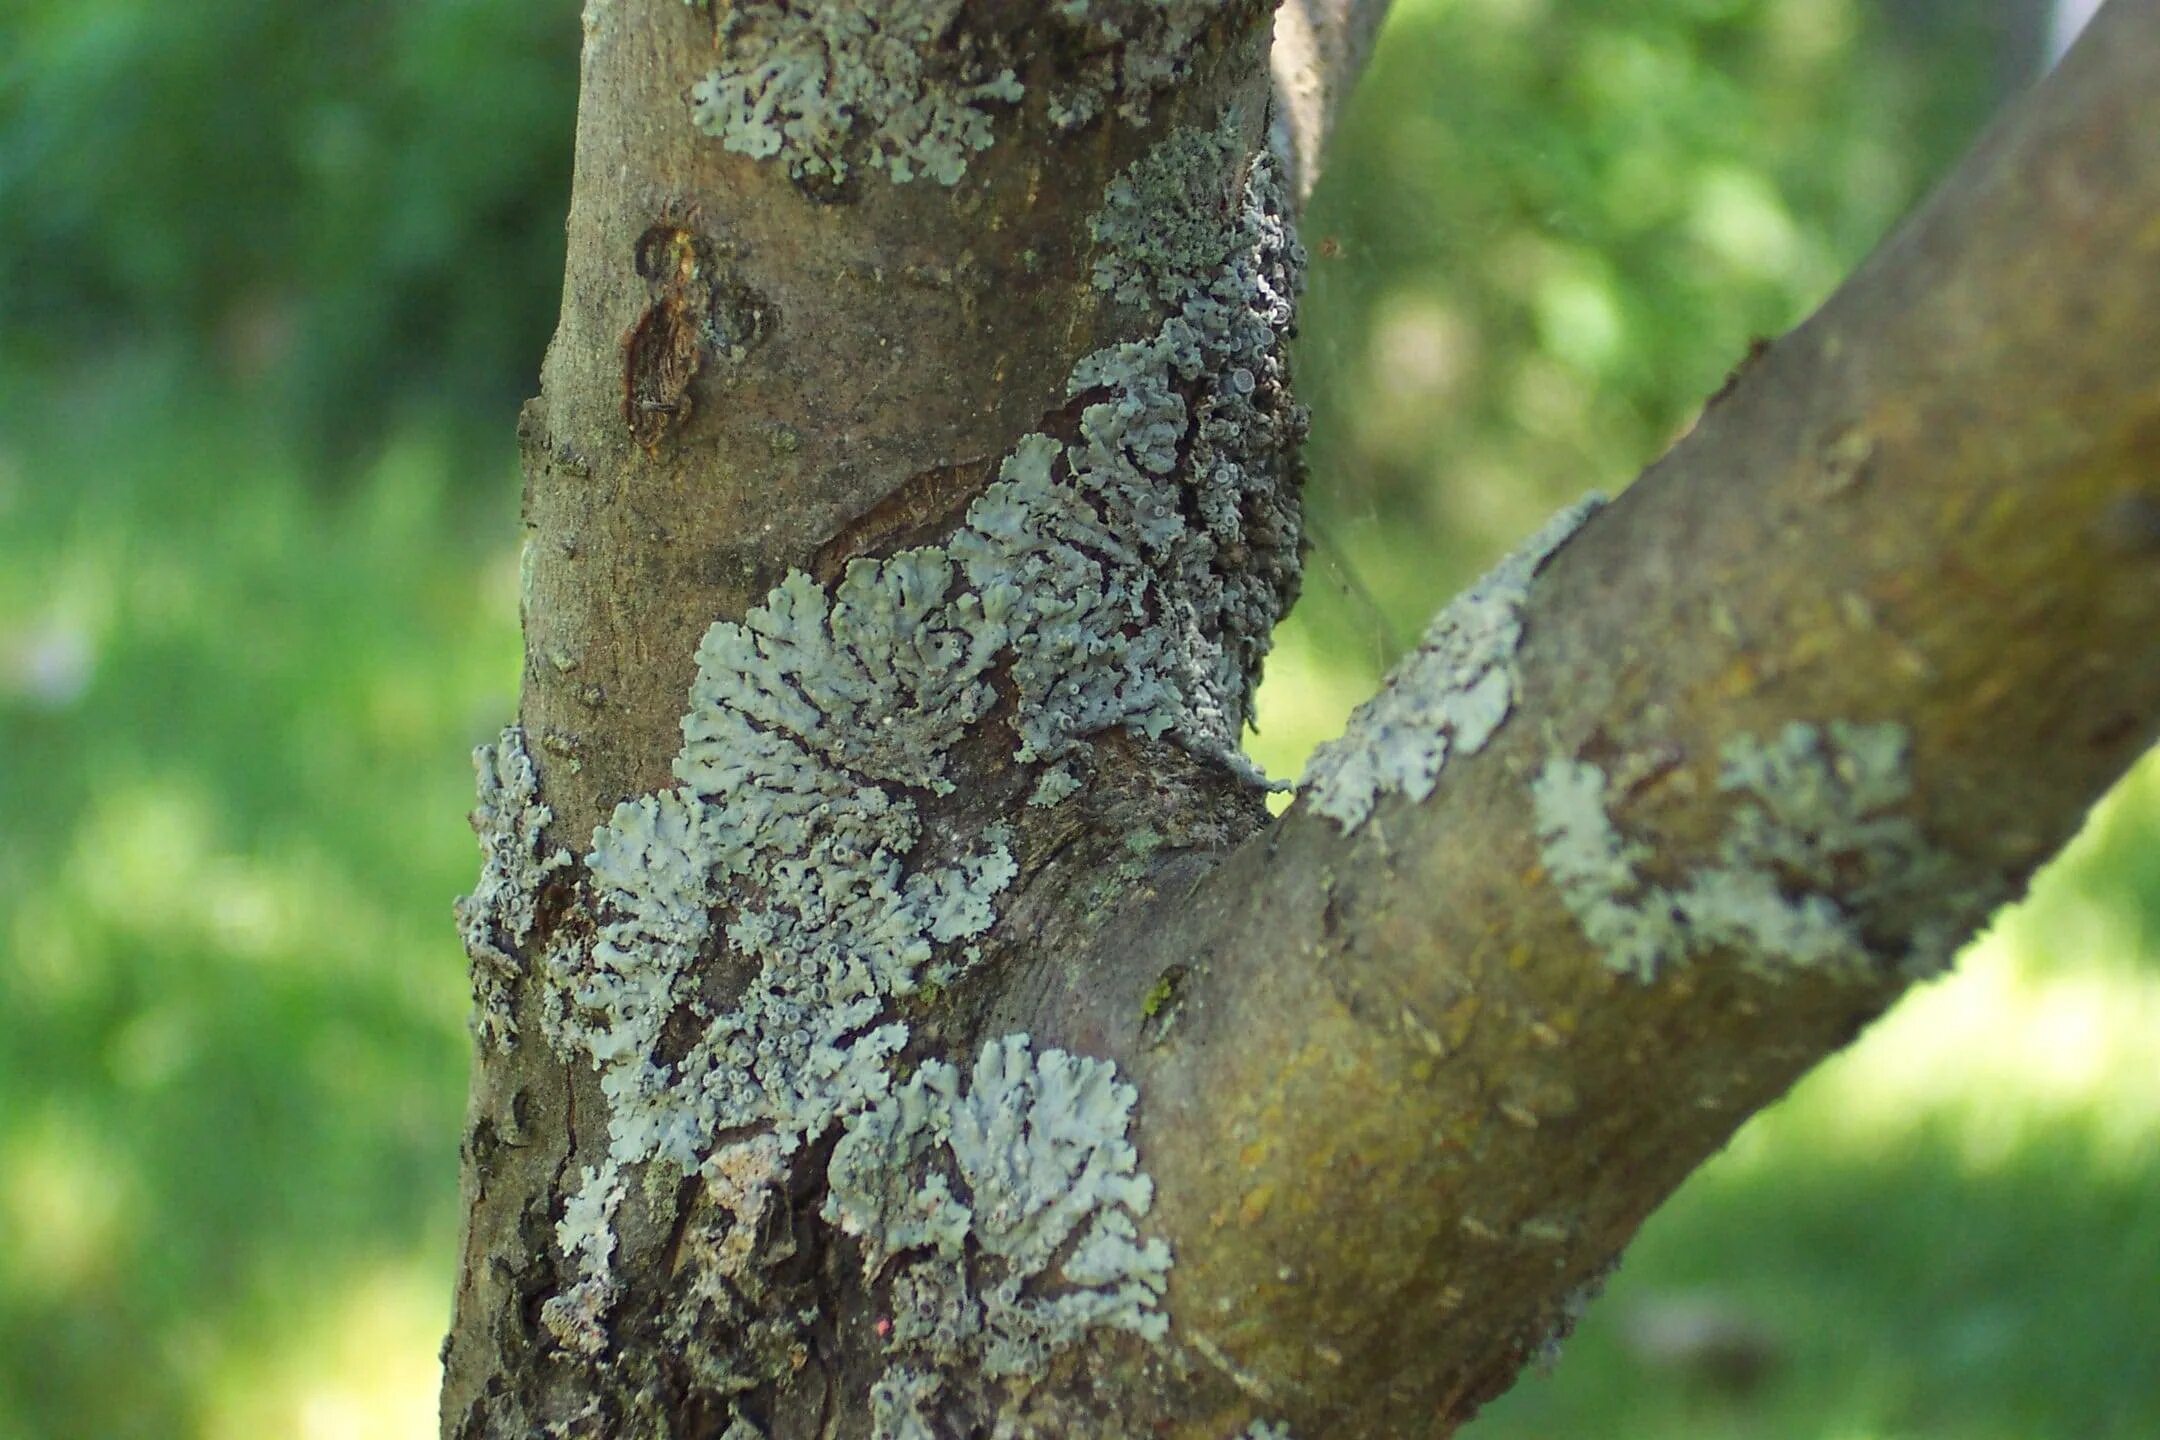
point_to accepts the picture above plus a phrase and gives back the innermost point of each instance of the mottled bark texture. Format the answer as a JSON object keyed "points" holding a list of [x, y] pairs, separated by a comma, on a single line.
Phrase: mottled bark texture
{"points": [[1657, 822]]}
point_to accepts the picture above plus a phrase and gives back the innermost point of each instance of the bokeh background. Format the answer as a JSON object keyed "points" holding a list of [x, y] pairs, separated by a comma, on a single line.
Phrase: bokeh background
{"points": [[273, 278]]}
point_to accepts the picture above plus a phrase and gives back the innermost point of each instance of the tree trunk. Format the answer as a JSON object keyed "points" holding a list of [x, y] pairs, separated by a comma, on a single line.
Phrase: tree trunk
{"points": [[934, 1036]]}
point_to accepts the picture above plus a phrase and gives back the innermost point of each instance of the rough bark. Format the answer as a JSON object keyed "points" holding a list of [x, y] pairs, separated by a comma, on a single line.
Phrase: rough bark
{"points": [[1398, 1111], [1410, 1111], [757, 373]]}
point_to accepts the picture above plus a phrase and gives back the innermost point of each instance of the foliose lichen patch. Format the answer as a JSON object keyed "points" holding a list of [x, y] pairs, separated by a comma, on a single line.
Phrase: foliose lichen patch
{"points": [[807, 724], [1164, 542], [496, 920], [732, 1241], [909, 88], [1813, 853], [1447, 697], [1129, 52], [1003, 1215], [1162, 229], [1123, 578], [897, 1401], [826, 84]]}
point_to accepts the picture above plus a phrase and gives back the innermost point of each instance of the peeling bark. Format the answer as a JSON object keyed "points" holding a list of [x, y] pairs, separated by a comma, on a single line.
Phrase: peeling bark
{"points": [[1395, 1105]]}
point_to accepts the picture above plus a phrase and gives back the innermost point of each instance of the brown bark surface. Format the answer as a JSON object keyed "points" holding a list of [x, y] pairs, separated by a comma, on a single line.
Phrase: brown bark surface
{"points": [[1396, 1111]]}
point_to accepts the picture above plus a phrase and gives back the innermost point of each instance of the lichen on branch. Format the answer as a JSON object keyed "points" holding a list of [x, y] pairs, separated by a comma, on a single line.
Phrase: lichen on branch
{"points": [[1791, 586], [1814, 855], [1447, 697]]}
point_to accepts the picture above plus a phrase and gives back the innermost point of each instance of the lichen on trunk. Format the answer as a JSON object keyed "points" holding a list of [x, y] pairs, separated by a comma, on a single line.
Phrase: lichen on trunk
{"points": [[934, 1037], [763, 966]]}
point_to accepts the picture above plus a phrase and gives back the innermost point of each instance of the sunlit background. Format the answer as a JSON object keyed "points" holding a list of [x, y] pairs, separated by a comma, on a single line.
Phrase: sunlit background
{"points": [[273, 278]]}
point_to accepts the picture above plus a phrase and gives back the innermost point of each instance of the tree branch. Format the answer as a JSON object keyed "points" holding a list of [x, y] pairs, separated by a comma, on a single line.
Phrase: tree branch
{"points": [[950, 411], [1412, 1084], [1321, 47]]}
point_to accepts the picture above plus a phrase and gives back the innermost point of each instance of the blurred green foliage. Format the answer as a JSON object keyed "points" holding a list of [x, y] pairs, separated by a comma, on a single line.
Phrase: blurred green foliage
{"points": [[350, 208], [233, 768], [1551, 227], [236, 701]]}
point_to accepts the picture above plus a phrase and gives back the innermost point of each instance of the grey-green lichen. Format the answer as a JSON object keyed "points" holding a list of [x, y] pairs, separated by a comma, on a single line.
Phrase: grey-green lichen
{"points": [[896, 1404], [1814, 853], [1155, 553], [1567, 1313], [1447, 697], [496, 920], [1004, 1217], [1130, 51], [732, 1238], [909, 88], [1265, 1430], [1161, 229], [824, 83], [1127, 577], [808, 724]]}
